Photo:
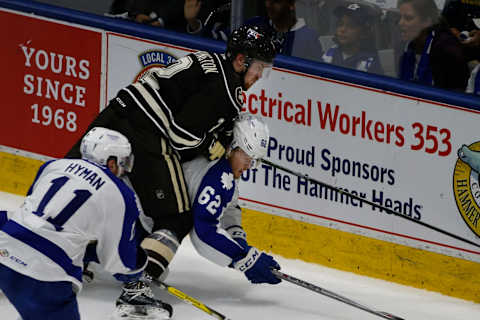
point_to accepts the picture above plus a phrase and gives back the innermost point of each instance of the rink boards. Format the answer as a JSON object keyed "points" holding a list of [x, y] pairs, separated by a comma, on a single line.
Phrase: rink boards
{"points": [[392, 149]]}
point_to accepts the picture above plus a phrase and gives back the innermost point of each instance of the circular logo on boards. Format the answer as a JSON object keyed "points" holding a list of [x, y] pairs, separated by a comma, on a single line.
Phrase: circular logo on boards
{"points": [[466, 185], [4, 253], [153, 59]]}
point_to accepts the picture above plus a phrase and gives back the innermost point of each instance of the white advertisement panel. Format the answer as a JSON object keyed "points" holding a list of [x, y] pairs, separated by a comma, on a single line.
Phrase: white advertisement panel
{"points": [[128, 57], [397, 151]]}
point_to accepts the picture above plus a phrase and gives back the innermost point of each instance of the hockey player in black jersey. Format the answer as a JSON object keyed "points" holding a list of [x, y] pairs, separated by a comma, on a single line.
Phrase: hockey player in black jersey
{"points": [[173, 114]]}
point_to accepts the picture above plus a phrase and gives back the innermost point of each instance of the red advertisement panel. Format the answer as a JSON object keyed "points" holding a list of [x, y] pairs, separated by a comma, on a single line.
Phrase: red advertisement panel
{"points": [[50, 83]]}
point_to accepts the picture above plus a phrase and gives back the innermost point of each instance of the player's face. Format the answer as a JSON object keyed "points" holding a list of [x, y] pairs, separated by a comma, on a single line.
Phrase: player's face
{"points": [[257, 69], [411, 23], [112, 165], [348, 32], [240, 161]]}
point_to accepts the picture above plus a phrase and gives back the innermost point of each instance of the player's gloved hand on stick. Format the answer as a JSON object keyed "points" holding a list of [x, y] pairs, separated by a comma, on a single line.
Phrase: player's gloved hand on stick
{"points": [[257, 267]]}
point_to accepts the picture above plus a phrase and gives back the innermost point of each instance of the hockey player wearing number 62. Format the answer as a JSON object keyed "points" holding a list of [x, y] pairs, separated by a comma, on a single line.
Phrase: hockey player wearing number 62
{"points": [[213, 187], [175, 113], [71, 203]]}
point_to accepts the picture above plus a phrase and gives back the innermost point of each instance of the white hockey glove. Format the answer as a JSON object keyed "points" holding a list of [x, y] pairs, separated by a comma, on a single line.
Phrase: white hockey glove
{"points": [[257, 267]]}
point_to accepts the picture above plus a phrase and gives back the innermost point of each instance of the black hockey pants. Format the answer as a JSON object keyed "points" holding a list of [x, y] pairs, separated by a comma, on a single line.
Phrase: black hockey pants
{"points": [[157, 175]]}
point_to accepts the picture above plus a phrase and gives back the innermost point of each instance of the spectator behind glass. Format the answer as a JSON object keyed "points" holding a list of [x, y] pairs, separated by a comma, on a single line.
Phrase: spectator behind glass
{"points": [[291, 35], [197, 13], [217, 22], [318, 14], [181, 16], [158, 13], [119, 7], [431, 55], [354, 39], [463, 18]]}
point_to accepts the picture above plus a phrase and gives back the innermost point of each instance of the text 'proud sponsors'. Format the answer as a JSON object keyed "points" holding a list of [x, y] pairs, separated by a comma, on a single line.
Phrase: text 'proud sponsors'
{"points": [[417, 136], [53, 79], [333, 165]]}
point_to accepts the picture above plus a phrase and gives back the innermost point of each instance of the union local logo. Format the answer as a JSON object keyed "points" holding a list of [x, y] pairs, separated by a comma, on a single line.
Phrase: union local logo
{"points": [[466, 185], [154, 59]]}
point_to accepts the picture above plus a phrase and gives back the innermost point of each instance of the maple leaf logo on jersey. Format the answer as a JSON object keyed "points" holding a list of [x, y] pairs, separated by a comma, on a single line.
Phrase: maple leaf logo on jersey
{"points": [[227, 180]]}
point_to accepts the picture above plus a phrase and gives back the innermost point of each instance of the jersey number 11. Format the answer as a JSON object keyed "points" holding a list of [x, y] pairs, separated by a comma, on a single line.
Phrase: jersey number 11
{"points": [[62, 217]]}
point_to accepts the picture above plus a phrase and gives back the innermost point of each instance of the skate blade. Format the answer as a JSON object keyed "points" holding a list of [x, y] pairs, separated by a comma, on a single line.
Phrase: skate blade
{"points": [[129, 312]]}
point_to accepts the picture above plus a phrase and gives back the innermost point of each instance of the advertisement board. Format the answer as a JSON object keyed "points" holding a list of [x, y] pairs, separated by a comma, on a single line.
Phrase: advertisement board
{"points": [[128, 57], [417, 157], [397, 151], [52, 73], [394, 150]]}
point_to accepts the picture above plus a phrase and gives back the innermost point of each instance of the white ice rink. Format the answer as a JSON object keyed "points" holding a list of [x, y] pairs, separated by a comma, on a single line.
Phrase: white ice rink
{"points": [[228, 292]]}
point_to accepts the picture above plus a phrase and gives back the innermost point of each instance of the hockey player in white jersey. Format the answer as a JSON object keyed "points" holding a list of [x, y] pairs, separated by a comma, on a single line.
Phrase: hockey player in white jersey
{"points": [[213, 188], [71, 203]]}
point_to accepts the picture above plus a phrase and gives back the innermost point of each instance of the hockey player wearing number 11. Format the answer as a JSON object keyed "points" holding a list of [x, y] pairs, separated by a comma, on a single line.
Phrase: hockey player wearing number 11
{"points": [[71, 203], [213, 188]]}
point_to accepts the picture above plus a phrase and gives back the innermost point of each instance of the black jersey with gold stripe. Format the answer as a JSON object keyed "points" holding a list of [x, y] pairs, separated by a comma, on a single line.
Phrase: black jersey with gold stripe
{"points": [[188, 100]]}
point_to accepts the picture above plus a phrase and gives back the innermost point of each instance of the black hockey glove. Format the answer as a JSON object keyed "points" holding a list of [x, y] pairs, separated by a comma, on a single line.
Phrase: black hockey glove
{"points": [[218, 145], [216, 150]]}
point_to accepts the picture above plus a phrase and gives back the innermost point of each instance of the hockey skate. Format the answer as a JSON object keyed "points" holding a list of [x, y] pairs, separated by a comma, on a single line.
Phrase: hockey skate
{"points": [[138, 302]]}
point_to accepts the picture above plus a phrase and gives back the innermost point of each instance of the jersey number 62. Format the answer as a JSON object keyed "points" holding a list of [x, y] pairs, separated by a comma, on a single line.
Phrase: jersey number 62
{"points": [[206, 197]]}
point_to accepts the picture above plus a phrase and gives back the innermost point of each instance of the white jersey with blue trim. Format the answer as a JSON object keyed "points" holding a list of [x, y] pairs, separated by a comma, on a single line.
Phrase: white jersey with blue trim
{"points": [[214, 191], [71, 203]]}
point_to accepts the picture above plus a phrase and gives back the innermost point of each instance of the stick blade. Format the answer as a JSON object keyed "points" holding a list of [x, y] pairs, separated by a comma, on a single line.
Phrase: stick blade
{"points": [[390, 316]]}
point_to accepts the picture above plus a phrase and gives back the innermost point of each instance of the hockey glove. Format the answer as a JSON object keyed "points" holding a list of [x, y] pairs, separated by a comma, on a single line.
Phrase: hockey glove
{"points": [[257, 267], [220, 140], [216, 150]]}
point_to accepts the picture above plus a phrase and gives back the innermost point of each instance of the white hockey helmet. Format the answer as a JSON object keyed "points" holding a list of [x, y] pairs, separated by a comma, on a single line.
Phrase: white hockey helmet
{"points": [[101, 144], [251, 134]]}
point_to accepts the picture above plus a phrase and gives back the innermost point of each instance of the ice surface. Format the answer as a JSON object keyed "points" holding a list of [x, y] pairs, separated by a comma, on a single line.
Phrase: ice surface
{"points": [[229, 292]]}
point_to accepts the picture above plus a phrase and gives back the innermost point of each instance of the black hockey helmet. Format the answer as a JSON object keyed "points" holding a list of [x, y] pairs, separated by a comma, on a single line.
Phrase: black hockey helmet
{"points": [[253, 41]]}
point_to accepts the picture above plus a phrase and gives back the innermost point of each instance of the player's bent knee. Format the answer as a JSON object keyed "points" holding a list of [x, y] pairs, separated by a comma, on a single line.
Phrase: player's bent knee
{"points": [[161, 246]]}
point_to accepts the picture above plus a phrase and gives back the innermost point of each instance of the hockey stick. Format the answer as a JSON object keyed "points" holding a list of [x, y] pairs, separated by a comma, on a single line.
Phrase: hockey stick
{"points": [[190, 300], [333, 295], [371, 203]]}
